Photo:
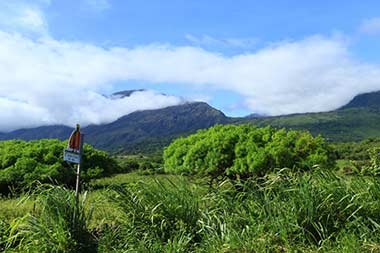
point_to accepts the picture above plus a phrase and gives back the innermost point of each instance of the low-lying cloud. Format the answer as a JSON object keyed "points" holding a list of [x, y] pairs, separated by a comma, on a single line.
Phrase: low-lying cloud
{"points": [[46, 81]]}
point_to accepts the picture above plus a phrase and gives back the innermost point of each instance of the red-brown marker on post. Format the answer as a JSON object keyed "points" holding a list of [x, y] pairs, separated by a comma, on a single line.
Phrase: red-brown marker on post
{"points": [[73, 153]]}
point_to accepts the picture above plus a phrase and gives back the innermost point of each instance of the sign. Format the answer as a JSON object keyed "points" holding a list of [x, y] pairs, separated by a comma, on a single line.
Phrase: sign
{"points": [[75, 140], [70, 156], [73, 152]]}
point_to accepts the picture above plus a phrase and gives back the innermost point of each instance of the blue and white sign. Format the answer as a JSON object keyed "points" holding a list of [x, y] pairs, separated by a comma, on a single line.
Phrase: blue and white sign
{"points": [[71, 156]]}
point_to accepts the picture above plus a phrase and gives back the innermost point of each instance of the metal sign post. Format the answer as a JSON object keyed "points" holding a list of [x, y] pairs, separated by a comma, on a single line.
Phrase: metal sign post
{"points": [[73, 154], [78, 167]]}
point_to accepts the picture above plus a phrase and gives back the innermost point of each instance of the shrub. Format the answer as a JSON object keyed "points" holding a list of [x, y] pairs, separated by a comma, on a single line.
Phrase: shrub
{"points": [[244, 151], [373, 166], [22, 163]]}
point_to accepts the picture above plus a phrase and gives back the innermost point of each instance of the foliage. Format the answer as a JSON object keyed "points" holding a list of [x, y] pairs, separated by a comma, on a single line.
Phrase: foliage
{"points": [[22, 163], [290, 212], [313, 211], [361, 157], [4, 234], [355, 150], [373, 169], [157, 217], [354, 124], [148, 132], [243, 151], [57, 225], [144, 164]]}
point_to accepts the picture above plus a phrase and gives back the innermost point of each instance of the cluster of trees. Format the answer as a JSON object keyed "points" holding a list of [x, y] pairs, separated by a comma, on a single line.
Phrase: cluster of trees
{"points": [[242, 151], [151, 164], [22, 163], [358, 151], [361, 157]]}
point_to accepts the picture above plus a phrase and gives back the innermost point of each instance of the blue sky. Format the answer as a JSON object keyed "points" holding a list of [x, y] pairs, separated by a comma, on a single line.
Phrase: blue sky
{"points": [[270, 57], [133, 23]]}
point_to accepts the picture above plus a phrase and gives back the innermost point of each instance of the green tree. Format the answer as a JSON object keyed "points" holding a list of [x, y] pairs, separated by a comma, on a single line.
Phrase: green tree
{"points": [[22, 163], [242, 151]]}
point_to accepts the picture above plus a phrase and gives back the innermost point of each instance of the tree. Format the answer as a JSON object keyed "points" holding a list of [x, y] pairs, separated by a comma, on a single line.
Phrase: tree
{"points": [[242, 151], [22, 163]]}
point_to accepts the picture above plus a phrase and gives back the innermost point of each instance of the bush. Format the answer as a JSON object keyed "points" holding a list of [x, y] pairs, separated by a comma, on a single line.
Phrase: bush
{"points": [[373, 168], [243, 151], [22, 163]]}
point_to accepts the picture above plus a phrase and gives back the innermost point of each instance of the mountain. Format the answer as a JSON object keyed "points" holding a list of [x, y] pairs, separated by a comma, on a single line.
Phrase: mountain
{"points": [[125, 93], [141, 131], [255, 116], [367, 100], [358, 120], [149, 131], [44, 132]]}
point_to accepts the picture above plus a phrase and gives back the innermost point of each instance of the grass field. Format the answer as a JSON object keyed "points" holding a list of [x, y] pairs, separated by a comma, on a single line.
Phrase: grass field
{"points": [[319, 211]]}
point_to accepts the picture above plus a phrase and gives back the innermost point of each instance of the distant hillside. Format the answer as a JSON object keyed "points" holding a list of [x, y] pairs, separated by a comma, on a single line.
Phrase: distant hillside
{"points": [[44, 132], [142, 131], [369, 100], [358, 120], [146, 130], [149, 131], [353, 124]]}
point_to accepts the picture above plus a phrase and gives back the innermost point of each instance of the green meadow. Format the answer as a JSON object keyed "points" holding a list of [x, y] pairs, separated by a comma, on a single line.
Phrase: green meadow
{"points": [[183, 205]]}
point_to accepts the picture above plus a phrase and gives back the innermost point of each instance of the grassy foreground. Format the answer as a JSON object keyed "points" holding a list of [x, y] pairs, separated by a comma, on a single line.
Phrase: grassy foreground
{"points": [[317, 211]]}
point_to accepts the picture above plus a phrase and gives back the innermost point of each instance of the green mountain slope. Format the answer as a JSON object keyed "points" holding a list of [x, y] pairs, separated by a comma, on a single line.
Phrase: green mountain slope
{"points": [[352, 124], [358, 120], [139, 132], [149, 131], [367, 100]]}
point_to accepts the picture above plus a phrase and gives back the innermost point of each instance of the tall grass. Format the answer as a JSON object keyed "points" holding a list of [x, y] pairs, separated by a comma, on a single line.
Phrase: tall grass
{"points": [[52, 226], [162, 216], [285, 211]]}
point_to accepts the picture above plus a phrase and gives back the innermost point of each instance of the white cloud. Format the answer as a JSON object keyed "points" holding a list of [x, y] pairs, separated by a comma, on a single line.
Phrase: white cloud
{"points": [[209, 41], [22, 16], [47, 81], [33, 19], [371, 26]]}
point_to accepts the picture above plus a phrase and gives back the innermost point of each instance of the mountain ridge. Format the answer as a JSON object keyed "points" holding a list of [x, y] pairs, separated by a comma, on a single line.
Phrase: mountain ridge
{"points": [[149, 131], [369, 99], [154, 127]]}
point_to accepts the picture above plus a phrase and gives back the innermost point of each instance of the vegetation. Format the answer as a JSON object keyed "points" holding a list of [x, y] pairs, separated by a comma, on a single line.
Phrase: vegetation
{"points": [[243, 151], [148, 132], [22, 163], [306, 212], [270, 196], [56, 225], [353, 124]]}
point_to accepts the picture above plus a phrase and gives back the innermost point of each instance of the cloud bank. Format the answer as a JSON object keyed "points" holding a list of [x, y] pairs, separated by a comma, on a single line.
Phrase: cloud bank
{"points": [[46, 81]]}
